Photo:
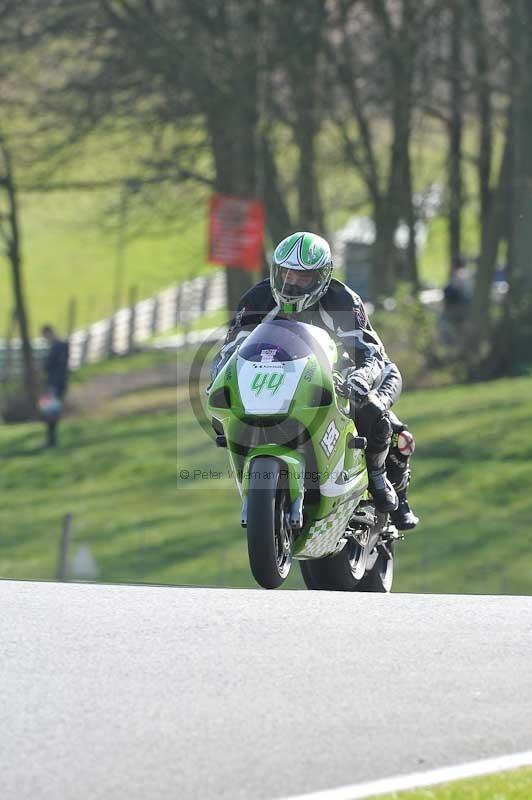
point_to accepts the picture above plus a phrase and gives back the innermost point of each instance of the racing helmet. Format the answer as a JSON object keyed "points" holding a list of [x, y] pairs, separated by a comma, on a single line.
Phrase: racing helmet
{"points": [[301, 271]]}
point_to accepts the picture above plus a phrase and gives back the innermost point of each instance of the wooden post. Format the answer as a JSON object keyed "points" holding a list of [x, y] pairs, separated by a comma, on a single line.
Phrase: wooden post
{"points": [[187, 298], [155, 315], [71, 316], [132, 319], [109, 344], [121, 243], [9, 336], [204, 295], [177, 306], [62, 561], [85, 347]]}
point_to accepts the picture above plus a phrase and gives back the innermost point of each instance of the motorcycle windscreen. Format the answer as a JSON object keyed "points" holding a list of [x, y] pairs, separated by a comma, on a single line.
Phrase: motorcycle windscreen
{"points": [[282, 341]]}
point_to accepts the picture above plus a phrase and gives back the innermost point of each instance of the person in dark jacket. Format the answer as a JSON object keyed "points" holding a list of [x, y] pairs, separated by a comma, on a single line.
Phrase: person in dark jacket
{"points": [[301, 286], [56, 371]]}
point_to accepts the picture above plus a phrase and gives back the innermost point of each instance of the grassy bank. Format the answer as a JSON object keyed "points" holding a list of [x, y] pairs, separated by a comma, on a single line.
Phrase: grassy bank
{"points": [[514, 785], [85, 243], [118, 473]]}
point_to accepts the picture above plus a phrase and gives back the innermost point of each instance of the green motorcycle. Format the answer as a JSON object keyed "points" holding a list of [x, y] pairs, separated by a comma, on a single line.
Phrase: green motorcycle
{"points": [[299, 463]]}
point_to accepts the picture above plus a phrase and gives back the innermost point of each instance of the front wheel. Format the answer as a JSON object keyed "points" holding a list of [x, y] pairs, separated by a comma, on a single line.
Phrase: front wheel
{"points": [[269, 537]]}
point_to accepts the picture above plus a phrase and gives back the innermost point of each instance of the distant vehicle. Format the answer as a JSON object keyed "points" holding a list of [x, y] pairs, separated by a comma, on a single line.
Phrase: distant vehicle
{"points": [[299, 463]]}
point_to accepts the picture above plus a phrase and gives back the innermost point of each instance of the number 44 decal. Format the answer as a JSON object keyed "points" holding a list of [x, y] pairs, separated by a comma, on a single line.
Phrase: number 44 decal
{"points": [[330, 439], [269, 380]]}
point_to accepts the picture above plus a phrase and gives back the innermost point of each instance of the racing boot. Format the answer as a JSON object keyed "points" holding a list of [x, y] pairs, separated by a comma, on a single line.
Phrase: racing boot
{"points": [[383, 493], [403, 517], [374, 419]]}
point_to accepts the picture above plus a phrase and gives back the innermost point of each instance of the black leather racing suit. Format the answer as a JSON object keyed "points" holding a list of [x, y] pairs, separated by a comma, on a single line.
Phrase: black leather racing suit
{"points": [[341, 313]]}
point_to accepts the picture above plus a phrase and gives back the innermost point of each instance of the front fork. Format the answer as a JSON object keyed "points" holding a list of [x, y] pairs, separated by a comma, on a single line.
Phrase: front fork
{"points": [[294, 464]]}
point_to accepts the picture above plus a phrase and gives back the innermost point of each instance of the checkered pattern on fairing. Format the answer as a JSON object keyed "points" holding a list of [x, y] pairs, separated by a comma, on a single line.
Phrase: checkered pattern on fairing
{"points": [[325, 533]]}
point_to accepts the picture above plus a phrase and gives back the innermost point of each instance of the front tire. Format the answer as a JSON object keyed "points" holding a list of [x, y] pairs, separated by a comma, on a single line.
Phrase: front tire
{"points": [[269, 537]]}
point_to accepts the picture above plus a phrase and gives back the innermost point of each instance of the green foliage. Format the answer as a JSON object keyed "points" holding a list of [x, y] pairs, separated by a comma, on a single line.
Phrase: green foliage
{"points": [[409, 331], [515, 335]]}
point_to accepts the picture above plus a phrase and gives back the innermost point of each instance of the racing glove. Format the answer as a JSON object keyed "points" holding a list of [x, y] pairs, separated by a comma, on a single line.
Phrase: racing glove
{"points": [[340, 384], [358, 388]]}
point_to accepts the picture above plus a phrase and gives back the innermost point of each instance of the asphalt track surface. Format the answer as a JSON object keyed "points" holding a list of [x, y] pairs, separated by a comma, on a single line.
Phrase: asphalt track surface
{"points": [[151, 692]]}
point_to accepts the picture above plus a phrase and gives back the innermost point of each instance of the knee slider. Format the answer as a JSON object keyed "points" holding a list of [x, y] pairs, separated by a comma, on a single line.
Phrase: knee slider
{"points": [[406, 444], [403, 441]]}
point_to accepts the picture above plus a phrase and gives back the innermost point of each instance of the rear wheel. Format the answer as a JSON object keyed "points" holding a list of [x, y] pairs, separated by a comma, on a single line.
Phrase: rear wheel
{"points": [[380, 577], [342, 572], [269, 537]]}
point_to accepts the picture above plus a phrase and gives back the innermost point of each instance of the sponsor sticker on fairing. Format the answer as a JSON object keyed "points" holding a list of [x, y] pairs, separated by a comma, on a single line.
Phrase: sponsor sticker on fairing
{"points": [[267, 356], [330, 439]]}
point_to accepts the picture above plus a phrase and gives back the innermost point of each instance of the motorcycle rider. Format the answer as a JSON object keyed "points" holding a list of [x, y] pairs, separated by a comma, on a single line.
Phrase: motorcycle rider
{"points": [[301, 286]]}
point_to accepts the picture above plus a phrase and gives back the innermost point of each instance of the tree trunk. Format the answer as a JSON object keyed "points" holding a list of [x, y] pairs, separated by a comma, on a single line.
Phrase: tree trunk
{"points": [[233, 132], [512, 342], [410, 217], [392, 204], [455, 134], [303, 61], [494, 231], [309, 207], [13, 253], [521, 168], [485, 117], [278, 218], [382, 276], [402, 45]]}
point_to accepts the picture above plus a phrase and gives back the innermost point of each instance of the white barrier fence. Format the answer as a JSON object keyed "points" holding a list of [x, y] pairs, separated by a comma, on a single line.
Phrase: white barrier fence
{"points": [[178, 305]]}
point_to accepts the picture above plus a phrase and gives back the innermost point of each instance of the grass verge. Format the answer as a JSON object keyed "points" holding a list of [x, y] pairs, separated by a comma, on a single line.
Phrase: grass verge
{"points": [[118, 473], [515, 785]]}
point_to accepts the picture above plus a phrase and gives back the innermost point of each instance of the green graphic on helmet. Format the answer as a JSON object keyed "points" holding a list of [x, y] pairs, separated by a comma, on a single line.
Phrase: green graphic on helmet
{"points": [[301, 270], [302, 251]]}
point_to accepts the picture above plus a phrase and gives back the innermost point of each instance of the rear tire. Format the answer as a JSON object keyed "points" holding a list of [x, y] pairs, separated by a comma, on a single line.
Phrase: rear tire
{"points": [[342, 572], [269, 538], [380, 577]]}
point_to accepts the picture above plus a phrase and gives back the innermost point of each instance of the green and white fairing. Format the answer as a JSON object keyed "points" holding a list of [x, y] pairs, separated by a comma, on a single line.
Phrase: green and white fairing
{"points": [[275, 397]]}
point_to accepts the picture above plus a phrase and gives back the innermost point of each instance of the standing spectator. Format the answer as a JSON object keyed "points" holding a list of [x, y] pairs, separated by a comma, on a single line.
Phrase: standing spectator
{"points": [[56, 369], [457, 297], [459, 290]]}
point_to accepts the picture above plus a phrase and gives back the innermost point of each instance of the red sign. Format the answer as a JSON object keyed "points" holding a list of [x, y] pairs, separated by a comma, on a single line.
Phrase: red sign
{"points": [[236, 231]]}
